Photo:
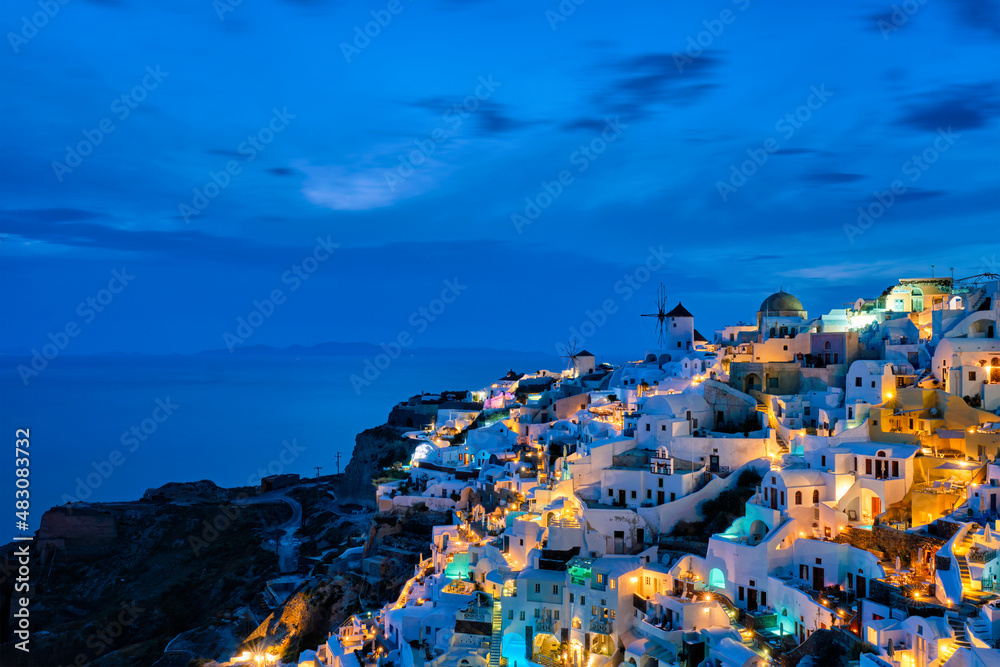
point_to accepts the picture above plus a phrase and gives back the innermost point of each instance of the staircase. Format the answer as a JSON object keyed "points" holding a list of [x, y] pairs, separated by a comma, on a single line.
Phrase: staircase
{"points": [[961, 549], [957, 624], [497, 637]]}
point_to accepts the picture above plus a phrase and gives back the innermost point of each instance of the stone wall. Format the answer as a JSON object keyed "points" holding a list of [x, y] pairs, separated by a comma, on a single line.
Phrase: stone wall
{"points": [[891, 543]]}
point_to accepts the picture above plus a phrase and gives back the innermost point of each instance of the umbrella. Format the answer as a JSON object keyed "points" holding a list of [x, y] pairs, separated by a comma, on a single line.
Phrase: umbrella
{"points": [[982, 503], [898, 564], [889, 649]]}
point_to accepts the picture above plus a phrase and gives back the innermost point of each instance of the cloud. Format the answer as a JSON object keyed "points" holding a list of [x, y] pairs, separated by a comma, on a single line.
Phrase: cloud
{"points": [[959, 107], [65, 227], [978, 15], [350, 190], [641, 82], [283, 171]]}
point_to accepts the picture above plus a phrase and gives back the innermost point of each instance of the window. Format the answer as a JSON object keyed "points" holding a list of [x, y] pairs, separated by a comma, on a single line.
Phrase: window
{"points": [[784, 347], [815, 496], [673, 496], [522, 542], [555, 615], [522, 615], [857, 381], [741, 592], [555, 589], [868, 466], [647, 581], [611, 493], [819, 561], [663, 427], [649, 494], [850, 413], [826, 345], [600, 578], [647, 427], [538, 588], [895, 468], [612, 584], [593, 610], [659, 482], [822, 461], [510, 614], [576, 623], [972, 376], [765, 493], [633, 494], [571, 597], [583, 600], [798, 497], [782, 498], [873, 384]]}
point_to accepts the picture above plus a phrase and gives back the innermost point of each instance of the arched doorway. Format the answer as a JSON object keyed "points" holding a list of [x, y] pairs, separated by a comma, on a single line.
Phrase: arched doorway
{"points": [[751, 382], [716, 578], [514, 649]]}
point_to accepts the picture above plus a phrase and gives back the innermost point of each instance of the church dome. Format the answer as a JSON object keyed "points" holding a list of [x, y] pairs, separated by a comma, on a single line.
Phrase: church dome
{"points": [[780, 301]]}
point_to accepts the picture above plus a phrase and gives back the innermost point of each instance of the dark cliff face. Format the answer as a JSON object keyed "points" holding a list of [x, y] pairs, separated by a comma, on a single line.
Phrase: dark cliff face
{"points": [[374, 449], [125, 578]]}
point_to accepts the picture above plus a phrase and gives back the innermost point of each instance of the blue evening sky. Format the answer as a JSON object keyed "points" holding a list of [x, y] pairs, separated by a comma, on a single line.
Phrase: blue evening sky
{"points": [[327, 118]]}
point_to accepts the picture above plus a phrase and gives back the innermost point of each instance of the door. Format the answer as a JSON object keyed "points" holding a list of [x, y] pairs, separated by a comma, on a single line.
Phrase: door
{"points": [[713, 463], [621, 497], [993, 503], [817, 578], [876, 506], [752, 599], [619, 541], [862, 587], [774, 499], [659, 497]]}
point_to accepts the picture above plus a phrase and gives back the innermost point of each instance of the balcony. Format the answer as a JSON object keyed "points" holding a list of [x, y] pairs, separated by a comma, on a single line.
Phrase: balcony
{"points": [[602, 626], [545, 624]]}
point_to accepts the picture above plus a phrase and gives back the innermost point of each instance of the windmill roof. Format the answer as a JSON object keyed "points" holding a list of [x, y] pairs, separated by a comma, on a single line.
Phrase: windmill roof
{"points": [[584, 353], [698, 336], [679, 311]]}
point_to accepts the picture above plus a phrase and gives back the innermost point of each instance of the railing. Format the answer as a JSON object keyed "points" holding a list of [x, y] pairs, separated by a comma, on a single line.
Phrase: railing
{"points": [[976, 556], [602, 626], [545, 625]]}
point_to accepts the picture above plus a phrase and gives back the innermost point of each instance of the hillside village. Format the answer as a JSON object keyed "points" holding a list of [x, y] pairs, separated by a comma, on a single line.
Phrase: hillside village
{"points": [[835, 479]]}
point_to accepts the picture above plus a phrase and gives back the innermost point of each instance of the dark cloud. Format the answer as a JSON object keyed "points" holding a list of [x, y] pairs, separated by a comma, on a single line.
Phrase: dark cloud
{"points": [[960, 108], [655, 79], [981, 15], [64, 227], [833, 178]]}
